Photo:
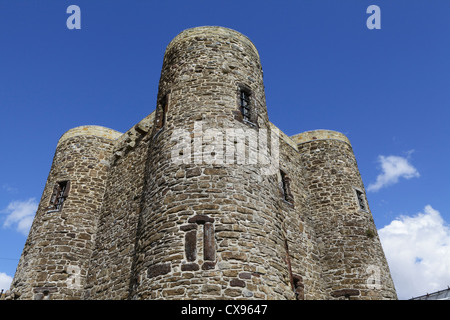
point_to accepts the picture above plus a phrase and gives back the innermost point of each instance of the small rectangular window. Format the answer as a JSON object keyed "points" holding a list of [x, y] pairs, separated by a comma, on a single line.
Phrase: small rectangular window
{"points": [[286, 187], [161, 113], [361, 199], [59, 195], [245, 105]]}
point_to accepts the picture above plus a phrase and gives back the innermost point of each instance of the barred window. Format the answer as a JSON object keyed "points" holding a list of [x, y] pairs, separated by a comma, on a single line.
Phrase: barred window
{"points": [[59, 195], [245, 105], [361, 199]]}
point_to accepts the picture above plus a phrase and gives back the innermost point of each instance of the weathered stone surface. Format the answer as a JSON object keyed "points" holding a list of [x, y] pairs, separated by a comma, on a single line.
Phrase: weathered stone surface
{"points": [[137, 224], [190, 267], [345, 293], [208, 265], [188, 227], [245, 275], [233, 293], [173, 292], [193, 172], [200, 219], [237, 283], [191, 245], [209, 250], [211, 289], [158, 269]]}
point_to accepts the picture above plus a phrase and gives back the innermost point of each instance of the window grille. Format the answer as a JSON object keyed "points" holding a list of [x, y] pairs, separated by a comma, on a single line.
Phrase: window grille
{"points": [[59, 195], [361, 199], [245, 105]]}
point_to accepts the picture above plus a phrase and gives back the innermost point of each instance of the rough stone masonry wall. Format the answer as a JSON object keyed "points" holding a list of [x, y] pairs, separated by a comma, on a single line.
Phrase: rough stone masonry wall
{"points": [[137, 225], [111, 262], [55, 259], [352, 258], [304, 257], [209, 231]]}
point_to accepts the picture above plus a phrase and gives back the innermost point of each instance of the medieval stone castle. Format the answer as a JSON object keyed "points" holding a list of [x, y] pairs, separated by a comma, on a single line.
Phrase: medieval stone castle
{"points": [[167, 211]]}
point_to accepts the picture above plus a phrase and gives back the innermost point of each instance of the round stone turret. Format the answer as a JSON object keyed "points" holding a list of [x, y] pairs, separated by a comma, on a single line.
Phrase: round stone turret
{"points": [[201, 202], [319, 135], [353, 262], [56, 256], [204, 198]]}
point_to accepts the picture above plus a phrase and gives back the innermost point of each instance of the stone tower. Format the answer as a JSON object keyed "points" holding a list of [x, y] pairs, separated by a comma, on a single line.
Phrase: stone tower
{"points": [[210, 211], [204, 198], [353, 261], [55, 260]]}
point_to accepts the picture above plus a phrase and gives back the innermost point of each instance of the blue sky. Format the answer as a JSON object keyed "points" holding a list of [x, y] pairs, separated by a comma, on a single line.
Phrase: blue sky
{"points": [[386, 89]]}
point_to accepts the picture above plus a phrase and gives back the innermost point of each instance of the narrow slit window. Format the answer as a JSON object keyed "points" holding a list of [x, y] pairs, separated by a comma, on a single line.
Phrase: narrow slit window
{"points": [[162, 113], [59, 195], [245, 105], [361, 199], [299, 287], [286, 187]]}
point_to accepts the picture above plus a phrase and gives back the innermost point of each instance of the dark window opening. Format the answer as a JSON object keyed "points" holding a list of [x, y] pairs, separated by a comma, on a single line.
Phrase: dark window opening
{"points": [[59, 195], [286, 187], [161, 114], [361, 199], [299, 288], [245, 105], [209, 244]]}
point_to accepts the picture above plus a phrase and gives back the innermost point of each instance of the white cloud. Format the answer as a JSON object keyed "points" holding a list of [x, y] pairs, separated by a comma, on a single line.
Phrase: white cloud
{"points": [[393, 168], [5, 281], [418, 252], [20, 214]]}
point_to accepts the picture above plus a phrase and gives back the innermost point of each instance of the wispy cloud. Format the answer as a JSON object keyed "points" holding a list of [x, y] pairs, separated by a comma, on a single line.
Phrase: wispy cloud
{"points": [[20, 214], [5, 281], [392, 169], [418, 252]]}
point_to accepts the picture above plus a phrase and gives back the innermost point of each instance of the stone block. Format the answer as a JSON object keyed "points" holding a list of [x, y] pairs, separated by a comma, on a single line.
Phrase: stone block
{"points": [[190, 267], [190, 245], [157, 270], [237, 283]]}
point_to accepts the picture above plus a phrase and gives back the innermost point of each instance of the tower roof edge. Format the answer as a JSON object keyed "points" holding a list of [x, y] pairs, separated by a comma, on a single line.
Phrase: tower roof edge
{"points": [[211, 30], [91, 130], [320, 134]]}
